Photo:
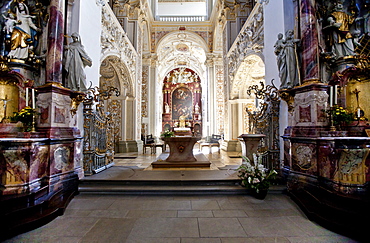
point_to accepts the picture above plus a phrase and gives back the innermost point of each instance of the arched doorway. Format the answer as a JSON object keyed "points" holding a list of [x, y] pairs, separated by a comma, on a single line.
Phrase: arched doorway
{"points": [[114, 73], [250, 72]]}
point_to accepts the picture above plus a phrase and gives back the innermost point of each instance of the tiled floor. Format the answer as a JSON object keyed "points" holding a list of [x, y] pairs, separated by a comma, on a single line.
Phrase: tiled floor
{"points": [[185, 219], [120, 218]]}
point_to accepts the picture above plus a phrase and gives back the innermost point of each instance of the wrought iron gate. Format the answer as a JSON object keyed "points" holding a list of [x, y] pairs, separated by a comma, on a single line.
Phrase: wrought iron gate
{"points": [[266, 121], [99, 127]]}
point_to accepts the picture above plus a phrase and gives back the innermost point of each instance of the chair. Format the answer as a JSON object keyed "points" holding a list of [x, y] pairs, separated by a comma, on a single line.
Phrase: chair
{"points": [[213, 141], [148, 141], [215, 138]]}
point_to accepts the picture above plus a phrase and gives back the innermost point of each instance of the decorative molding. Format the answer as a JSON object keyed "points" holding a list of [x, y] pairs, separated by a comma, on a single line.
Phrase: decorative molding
{"points": [[249, 41], [114, 41]]}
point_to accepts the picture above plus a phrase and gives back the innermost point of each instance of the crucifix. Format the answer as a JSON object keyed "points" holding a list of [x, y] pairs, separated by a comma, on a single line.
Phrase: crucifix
{"points": [[358, 109]]}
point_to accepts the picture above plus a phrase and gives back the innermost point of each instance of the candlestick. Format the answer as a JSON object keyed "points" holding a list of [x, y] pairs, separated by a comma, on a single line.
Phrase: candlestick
{"points": [[26, 96], [335, 94], [331, 96], [33, 99]]}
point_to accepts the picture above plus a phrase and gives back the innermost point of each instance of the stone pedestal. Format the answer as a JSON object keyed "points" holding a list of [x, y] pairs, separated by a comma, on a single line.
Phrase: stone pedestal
{"points": [[250, 144], [181, 154]]}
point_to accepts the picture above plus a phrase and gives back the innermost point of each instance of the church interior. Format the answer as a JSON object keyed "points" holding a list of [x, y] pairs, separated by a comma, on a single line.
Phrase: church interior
{"points": [[183, 93]]}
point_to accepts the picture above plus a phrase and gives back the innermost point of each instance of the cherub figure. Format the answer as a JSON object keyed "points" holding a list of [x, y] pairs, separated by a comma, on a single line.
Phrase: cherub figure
{"points": [[10, 23]]}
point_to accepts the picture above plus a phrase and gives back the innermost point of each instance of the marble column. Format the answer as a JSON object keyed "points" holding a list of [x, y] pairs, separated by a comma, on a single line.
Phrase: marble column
{"points": [[309, 42], [55, 42]]}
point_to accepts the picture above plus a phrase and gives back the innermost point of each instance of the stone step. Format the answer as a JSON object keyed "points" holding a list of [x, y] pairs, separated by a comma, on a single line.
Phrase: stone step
{"points": [[168, 188]]}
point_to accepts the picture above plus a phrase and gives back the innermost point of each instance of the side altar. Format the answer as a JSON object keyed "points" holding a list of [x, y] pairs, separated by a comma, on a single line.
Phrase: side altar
{"points": [[181, 154]]}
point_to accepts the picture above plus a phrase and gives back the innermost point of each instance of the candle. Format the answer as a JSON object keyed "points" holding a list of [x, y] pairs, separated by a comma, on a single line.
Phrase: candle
{"points": [[358, 112], [331, 96], [335, 94], [33, 99], [26, 96]]}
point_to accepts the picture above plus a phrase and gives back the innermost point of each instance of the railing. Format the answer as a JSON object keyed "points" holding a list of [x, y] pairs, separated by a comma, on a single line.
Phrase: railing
{"points": [[98, 131], [181, 18]]}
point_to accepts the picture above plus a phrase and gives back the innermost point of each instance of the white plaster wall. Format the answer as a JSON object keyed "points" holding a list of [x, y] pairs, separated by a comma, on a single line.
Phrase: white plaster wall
{"points": [[86, 20], [181, 9], [89, 28], [273, 25]]}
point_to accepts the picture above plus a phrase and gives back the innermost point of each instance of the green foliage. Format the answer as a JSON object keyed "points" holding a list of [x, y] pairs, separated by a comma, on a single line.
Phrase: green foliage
{"points": [[167, 134], [25, 116], [341, 116]]}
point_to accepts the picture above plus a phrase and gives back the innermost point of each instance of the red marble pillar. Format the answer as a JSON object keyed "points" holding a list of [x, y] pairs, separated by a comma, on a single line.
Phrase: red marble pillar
{"points": [[309, 42], [55, 42]]}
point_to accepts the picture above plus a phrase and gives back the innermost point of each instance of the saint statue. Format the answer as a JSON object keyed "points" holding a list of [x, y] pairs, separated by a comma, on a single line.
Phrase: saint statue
{"points": [[340, 38], [167, 108], [287, 60], [280, 59], [75, 60], [196, 108], [23, 31]]}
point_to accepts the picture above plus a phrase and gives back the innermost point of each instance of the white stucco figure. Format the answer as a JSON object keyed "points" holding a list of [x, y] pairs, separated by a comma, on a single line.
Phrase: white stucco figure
{"points": [[287, 60], [280, 59], [75, 60]]}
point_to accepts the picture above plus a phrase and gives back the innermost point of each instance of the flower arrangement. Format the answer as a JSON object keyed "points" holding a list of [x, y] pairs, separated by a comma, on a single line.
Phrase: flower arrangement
{"points": [[167, 134], [341, 116], [255, 176], [25, 116]]}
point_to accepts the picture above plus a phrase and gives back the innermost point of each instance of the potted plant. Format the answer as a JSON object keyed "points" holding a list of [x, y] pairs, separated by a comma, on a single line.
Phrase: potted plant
{"points": [[341, 117], [25, 116], [167, 134], [255, 176]]}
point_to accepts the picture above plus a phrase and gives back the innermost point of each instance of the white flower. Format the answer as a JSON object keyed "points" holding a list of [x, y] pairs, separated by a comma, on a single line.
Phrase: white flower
{"points": [[255, 181]]}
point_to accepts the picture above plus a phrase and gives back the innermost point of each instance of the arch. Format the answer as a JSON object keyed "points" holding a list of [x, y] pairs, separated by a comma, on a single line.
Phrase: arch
{"points": [[251, 71], [115, 73], [181, 49]]}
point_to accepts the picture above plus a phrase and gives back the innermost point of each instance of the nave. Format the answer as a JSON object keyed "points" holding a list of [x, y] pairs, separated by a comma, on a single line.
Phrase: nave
{"points": [[207, 217]]}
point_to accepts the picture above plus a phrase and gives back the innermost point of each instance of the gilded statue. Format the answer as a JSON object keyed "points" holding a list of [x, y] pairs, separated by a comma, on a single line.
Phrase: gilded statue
{"points": [[339, 36], [22, 31]]}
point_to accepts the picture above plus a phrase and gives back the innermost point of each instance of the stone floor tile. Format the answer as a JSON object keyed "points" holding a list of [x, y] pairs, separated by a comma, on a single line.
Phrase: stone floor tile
{"points": [[229, 214], [195, 214], [256, 240], [310, 227], [108, 213], [167, 205], [76, 212], [62, 227], [204, 205], [320, 239], [152, 214], [126, 205], [271, 227], [165, 227], [271, 213], [90, 204], [200, 240], [229, 205], [220, 227], [135, 239], [44, 239], [109, 230]]}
